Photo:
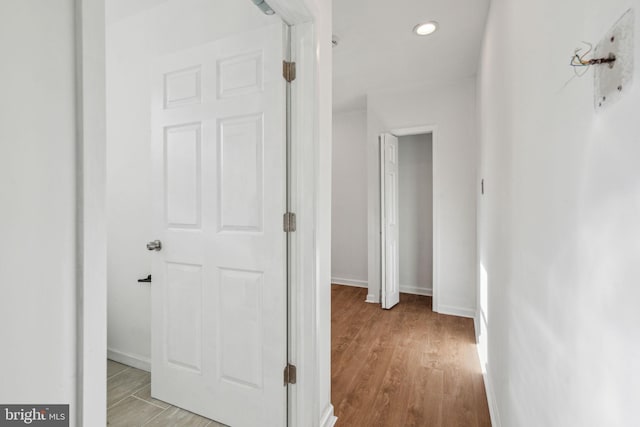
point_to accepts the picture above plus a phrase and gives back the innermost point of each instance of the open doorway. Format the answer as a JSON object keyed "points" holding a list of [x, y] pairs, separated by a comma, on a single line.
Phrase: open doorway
{"points": [[409, 365], [415, 213], [309, 178], [197, 150], [406, 213]]}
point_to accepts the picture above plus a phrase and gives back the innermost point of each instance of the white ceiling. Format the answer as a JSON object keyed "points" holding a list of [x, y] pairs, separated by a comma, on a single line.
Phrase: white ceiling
{"points": [[378, 48]]}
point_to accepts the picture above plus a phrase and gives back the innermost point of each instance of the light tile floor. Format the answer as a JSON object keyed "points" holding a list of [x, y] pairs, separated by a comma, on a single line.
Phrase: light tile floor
{"points": [[129, 402]]}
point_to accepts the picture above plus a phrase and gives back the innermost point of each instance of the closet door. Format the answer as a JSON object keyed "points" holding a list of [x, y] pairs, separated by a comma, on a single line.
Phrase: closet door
{"points": [[389, 215]]}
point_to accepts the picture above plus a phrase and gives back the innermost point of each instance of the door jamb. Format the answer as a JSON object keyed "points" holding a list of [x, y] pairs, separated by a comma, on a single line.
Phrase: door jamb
{"points": [[418, 130], [91, 229], [383, 218]]}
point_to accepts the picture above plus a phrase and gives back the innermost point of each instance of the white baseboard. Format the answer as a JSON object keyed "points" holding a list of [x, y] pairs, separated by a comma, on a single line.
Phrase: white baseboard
{"points": [[491, 398], [457, 311], [476, 331], [372, 299], [132, 360], [328, 419], [416, 290], [349, 282]]}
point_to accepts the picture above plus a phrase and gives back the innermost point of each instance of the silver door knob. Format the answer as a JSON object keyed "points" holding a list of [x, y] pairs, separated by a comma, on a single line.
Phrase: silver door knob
{"points": [[156, 245]]}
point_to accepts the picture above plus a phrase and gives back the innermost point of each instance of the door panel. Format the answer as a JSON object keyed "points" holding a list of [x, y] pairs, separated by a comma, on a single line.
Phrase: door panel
{"points": [[182, 175], [219, 184], [389, 226], [184, 316], [242, 338], [240, 174]]}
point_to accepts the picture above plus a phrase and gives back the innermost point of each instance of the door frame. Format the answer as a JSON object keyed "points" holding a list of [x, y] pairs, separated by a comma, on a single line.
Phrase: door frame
{"points": [[415, 130], [309, 341]]}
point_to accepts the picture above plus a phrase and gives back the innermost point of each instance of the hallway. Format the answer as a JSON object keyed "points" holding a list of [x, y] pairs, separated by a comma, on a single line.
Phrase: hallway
{"points": [[407, 366]]}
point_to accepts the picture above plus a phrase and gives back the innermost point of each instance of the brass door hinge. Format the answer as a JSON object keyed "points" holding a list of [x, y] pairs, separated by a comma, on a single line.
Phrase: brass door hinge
{"points": [[289, 222], [289, 71], [289, 374]]}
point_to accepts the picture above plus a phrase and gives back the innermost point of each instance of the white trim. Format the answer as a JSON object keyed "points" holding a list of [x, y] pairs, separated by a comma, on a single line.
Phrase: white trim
{"points": [[293, 12], [476, 329], [328, 419], [372, 299], [91, 228], [305, 340], [457, 311], [349, 282], [435, 291], [488, 384], [416, 290], [133, 360], [383, 222], [435, 185], [416, 130], [494, 414], [310, 336], [491, 399]]}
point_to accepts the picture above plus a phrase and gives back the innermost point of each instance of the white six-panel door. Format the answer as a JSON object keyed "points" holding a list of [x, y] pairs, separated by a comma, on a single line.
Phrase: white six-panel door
{"points": [[219, 284], [389, 215]]}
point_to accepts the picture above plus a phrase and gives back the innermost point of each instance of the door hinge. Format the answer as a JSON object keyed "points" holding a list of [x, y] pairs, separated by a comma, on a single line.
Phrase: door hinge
{"points": [[289, 222], [289, 374], [289, 71]]}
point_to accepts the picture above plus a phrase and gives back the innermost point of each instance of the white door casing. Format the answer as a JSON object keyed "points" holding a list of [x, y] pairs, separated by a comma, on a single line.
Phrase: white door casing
{"points": [[389, 220], [219, 305]]}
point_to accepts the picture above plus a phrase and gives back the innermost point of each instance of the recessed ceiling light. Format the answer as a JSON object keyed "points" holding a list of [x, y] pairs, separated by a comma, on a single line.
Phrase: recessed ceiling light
{"points": [[426, 28]]}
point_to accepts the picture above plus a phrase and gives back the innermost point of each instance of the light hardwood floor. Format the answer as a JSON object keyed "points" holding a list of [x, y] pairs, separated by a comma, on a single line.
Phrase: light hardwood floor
{"points": [[129, 402], [390, 368], [407, 366]]}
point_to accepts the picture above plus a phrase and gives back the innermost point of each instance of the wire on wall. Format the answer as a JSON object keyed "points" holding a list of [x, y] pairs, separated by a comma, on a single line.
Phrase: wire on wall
{"points": [[579, 60]]}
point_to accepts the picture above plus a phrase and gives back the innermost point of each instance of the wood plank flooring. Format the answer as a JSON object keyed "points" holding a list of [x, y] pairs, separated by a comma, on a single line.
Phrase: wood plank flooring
{"points": [[129, 402], [407, 366], [390, 368]]}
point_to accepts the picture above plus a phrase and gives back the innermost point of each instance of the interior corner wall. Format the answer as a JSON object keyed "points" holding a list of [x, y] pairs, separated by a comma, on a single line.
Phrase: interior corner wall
{"points": [[452, 108], [38, 180], [559, 235], [415, 213], [349, 199]]}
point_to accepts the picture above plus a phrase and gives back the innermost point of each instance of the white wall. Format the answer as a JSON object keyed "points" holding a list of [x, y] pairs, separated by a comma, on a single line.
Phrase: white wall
{"points": [[132, 42], [415, 212], [349, 199], [450, 107], [559, 230], [37, 195]]}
